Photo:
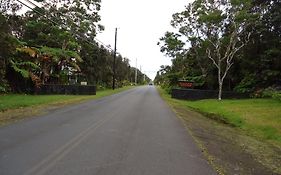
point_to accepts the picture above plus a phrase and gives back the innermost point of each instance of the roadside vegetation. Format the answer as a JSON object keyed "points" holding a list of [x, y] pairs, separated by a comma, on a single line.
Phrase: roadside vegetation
{"points": [[228, 46], [234, 45], [57, 45], [260, 118], [236, 136], [14, 107], [14, 101]]}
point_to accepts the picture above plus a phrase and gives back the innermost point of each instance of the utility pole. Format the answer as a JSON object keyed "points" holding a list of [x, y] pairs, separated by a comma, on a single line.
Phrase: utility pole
{"points": [[114, 61], [136, 72], [141, 72]]}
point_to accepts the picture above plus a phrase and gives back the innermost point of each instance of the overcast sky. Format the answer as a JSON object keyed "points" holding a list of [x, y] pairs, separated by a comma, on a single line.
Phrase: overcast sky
{"points": [[140, 24]]}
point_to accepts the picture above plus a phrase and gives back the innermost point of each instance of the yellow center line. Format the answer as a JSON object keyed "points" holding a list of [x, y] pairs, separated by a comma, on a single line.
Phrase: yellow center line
{"points": [[42, 167]]}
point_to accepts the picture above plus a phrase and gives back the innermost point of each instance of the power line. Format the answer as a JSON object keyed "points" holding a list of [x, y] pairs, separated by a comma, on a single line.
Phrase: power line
{"points": [[32, 3], [150, 71], [56, 23], [36, 11]]}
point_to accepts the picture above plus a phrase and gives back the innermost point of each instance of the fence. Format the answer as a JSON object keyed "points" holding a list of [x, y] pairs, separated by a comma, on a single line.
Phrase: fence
{"points": [[67, 89], [196, 94]]}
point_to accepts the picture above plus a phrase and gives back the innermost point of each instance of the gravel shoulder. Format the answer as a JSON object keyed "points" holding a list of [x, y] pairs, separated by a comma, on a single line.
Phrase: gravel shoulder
{"points": [[228, 149]]}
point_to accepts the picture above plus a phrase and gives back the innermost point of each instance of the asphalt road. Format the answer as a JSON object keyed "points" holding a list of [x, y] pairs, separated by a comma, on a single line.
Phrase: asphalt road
{"points": [[130, 133]]}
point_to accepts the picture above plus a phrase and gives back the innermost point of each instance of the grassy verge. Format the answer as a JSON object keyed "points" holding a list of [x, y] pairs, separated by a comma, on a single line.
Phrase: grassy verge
{"points": [[16, 107], [258, 117], [231, 133]]}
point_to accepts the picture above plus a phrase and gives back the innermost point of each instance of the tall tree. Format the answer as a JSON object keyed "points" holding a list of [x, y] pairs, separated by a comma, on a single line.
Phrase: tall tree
{"points": [[48, 44], [222, 28], [78, 16], [259, 62], [9, 42], [8, 6]]}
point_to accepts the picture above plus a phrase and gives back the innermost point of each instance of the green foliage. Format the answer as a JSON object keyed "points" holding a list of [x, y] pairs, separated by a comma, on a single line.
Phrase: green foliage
{"points": [[271, 92], [38, 50], [32, 105], [24, 68], [268, 92], [42, 33], [247, 84], [2, 89], [8, 45], [277, 96], [81, 16], [31, 51], [213, 17], [171, 44], [63, 77], [60, 54], [20, 101], [198, 81], [257, 117], [214, 31]]}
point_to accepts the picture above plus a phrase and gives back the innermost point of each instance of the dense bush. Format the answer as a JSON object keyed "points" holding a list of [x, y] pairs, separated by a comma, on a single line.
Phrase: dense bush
{"points": [[246, 85], [269, 92], [277, 96]]}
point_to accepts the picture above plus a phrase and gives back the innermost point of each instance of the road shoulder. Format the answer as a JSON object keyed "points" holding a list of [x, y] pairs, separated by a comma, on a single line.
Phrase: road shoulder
{"points": [[228, 149], [13, 115]]}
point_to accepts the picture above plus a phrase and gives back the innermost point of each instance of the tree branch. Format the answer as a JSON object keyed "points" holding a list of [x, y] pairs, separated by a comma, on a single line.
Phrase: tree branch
{"points": [[230, 45], [210, 57], [226, 70], [212, 42]]}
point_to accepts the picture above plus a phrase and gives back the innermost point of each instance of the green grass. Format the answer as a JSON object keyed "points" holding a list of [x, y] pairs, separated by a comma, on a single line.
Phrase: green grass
{"points": [[20, 101], [258, 117]]}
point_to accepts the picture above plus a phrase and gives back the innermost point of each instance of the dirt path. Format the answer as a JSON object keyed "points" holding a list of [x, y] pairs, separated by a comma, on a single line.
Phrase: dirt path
{"points": [[228, 149]]}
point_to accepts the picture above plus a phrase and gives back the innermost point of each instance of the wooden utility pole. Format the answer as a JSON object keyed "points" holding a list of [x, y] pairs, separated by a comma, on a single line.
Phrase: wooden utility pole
{"points": [[136, 73], [114, 61]]}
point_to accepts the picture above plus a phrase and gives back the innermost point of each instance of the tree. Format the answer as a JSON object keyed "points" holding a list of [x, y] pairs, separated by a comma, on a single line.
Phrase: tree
{"points": [[8, 6], [222, 28], [48, 44], [78, 16], [8, 44], [259, 62], [56, 50]]}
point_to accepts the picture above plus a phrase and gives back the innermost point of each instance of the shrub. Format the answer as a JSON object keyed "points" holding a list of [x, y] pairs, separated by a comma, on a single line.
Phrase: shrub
{"points": [[2, 89], [247, 84], [269, 92], [277, 96]]}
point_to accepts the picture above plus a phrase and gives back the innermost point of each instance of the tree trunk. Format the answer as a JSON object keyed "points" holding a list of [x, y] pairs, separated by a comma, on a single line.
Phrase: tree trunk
{"points": [[220, 89], [220, 80], [3, 81]]}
